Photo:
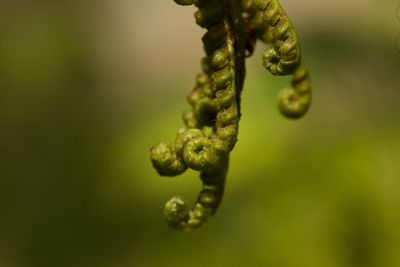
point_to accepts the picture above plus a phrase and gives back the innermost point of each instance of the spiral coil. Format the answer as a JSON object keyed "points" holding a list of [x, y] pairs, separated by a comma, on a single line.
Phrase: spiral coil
{"points": [[232, 28]]}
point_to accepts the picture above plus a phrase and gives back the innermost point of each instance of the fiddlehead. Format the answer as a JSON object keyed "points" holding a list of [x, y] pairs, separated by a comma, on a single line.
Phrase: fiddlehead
{"points": [[214, 104], [272, 25], [283, 54], [232, 29], [293, 102]]}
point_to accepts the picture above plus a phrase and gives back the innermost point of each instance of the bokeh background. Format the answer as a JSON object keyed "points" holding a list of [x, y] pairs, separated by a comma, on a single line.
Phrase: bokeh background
{"points": [[86, 87]]}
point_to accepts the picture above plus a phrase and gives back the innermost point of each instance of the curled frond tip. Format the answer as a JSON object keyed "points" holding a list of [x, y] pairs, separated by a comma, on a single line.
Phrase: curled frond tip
{"points": [[211, 125]]}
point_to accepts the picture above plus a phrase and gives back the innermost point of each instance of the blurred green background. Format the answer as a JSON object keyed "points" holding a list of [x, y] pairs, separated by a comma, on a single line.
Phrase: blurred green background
{"points": [[86, 87]]}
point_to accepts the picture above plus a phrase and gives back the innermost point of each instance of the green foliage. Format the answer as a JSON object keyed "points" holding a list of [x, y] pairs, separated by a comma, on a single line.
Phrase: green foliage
{"points": [[233, 26]]}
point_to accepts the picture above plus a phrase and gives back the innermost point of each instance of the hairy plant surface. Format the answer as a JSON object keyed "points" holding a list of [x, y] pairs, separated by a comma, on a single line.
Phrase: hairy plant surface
{"points": [[211, 125]]}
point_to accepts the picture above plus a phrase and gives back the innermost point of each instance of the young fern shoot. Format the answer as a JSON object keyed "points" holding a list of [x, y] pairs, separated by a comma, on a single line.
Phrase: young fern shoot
{"points": [[233, 26]]}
